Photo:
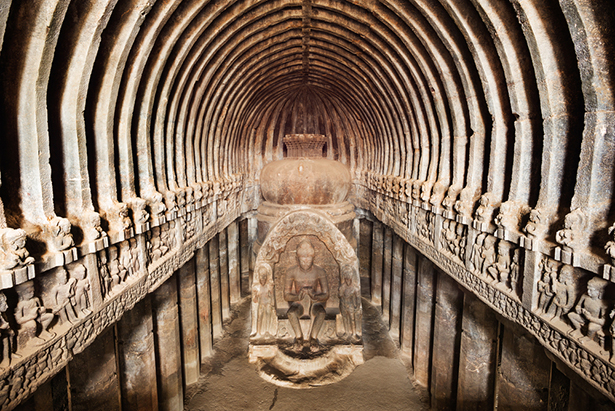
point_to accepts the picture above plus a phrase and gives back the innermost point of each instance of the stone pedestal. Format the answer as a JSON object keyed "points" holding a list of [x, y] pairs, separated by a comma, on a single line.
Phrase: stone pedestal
{"points": [[168, 348], [478, 354], [377, 264], [189, 322], [408, 301], [424, 321], [136, 358], [203, 292]]}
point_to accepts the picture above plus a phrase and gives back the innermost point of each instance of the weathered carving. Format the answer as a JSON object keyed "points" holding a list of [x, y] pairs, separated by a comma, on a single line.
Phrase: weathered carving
{"points": [[484, 211], [574, 225], [590, 313], [139, 211], [169, 201], [500, 270], [157, 207], [13, 251], [263, 297], [156, 247], [59, 230], [63, 297], [92, 230], [563, 288], [350, 305], [438, 193], [453, 238], [31, 316], [306, 288], [104, 274], [545, 285], [82, 289], [7, 335]]}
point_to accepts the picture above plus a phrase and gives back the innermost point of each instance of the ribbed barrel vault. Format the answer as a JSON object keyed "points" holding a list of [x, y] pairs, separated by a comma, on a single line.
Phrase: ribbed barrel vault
{"points": [[123, 99]]}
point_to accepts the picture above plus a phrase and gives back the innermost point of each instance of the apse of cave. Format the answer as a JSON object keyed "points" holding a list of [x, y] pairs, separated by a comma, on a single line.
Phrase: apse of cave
{"points": [[299, 204]]}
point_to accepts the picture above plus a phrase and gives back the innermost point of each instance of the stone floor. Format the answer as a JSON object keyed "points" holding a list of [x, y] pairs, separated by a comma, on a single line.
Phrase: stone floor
{"points": [[229, 382]]}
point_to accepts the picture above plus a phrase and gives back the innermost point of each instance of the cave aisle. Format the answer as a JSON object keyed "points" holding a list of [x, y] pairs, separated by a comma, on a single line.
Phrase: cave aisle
{"points": [[229, 382]]}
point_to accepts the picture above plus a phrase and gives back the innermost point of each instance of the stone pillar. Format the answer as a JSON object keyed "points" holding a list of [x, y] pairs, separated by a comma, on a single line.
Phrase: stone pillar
{"points": [[93, 377], [478, 355], [214, 278], [40, 400], [386, 274], [446, 337], [244, 252], [252, 236], [523, 375], [559, 390], [396, 287], [580, 398], [168, 348], [424, 319], [224, 283], [365, 256], [189, 321], [203, 293], [233, 263], [136, 358], [377, 258], [409, 301]]}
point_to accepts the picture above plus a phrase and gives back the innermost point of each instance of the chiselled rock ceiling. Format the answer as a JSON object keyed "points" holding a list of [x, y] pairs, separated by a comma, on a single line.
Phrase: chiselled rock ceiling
{"points": [[105, 101]]}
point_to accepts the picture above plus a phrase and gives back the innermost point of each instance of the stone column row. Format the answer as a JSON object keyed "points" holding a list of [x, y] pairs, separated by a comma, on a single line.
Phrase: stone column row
{"points": [[147, 359], [461, 352]]}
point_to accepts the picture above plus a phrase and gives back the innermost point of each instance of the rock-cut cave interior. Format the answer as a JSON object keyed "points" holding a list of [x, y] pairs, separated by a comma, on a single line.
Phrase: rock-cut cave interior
{"points": [[307, 204]]}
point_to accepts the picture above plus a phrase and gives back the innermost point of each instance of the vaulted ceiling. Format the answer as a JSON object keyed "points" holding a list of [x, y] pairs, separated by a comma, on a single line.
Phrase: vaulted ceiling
{"points": [[104, 101]]}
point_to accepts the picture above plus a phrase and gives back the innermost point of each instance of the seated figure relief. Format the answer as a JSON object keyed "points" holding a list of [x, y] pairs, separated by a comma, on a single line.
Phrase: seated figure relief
{"points": [[306, 289]]}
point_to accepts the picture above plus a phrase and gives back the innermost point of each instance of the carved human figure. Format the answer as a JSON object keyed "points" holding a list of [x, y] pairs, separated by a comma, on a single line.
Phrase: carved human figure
{"points": [[139, 211], [169, 200], [476, 259], [126, 258], [591, 310], [117, 272], [501, 269], [514, 270], [103, 270], [264, 299], [14, 253], [64, 297], [488, 254], [545, 285], [7, 335], [305, 284], [29, 314], [124, 216], [92, 230], [563, 290], [350, 304], [82, 289], [61, 238], [156, 205]]}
